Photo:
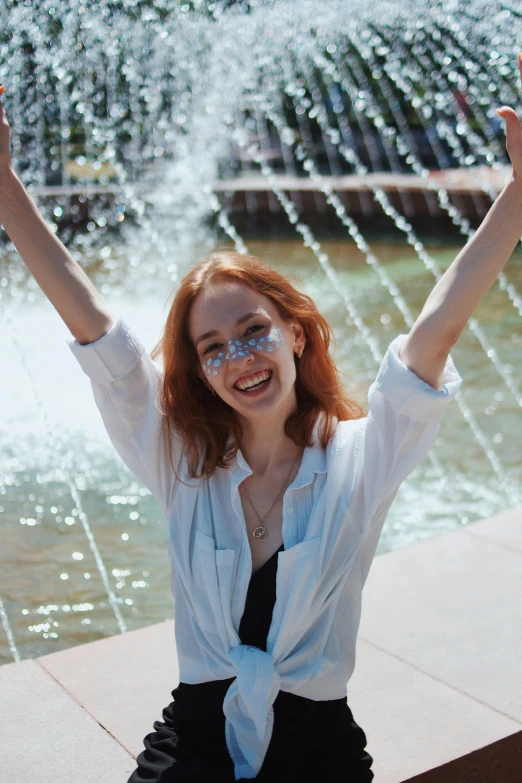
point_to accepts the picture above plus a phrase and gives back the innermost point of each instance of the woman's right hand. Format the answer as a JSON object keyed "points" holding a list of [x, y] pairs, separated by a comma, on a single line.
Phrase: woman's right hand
{"points": [[5, 153]]}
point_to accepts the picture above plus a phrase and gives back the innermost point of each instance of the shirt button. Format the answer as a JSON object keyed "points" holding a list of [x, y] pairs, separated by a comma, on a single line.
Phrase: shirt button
{"points": [[290, 509]]}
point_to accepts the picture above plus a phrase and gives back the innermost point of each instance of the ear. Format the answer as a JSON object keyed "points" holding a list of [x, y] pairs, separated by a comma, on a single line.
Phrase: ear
{"points": [[299, 335]]}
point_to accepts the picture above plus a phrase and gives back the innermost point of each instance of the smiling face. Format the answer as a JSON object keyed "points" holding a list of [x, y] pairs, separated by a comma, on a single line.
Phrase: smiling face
{"points": [[245, 349]]}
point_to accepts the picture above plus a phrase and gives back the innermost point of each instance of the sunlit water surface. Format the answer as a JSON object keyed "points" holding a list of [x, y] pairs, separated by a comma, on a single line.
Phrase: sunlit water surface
{"points": [[50, 583]]}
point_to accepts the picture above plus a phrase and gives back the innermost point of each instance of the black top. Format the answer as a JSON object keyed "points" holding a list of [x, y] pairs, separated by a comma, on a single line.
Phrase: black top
{"points": [[259, 604], [326, 729]]}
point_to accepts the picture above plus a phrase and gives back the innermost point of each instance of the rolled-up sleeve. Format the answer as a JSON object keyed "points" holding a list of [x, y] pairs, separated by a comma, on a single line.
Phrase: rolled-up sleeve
{"points": [[403, 421], [126, 385]]}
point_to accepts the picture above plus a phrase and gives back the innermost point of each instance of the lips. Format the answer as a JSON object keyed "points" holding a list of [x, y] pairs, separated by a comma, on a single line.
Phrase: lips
{"points": [[252, 379]]}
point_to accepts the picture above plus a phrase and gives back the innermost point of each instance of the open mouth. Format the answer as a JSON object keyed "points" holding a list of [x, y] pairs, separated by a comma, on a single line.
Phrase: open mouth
{"points": [[260, 383]]}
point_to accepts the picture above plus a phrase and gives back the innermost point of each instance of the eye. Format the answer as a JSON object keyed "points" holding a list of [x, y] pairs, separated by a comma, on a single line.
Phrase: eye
{"points": [[211, 347], [255, 326]]}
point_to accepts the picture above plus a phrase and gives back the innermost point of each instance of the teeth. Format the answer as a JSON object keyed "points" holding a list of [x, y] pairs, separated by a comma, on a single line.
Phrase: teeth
{"points": [[257, 378]]}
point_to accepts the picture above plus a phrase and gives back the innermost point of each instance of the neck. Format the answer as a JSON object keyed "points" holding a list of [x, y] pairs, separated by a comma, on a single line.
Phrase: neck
{"points": [[265, 446]]}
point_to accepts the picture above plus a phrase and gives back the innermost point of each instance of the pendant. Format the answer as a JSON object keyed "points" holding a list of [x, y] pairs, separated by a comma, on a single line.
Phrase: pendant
{"points": [[260, 533]]}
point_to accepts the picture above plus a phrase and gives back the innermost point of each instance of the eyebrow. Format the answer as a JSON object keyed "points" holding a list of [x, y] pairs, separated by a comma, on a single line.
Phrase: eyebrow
{"points": [[239, 321]]}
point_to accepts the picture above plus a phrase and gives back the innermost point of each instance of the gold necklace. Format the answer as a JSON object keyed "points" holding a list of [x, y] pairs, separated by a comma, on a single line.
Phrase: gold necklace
{"points": [[260, 533]]}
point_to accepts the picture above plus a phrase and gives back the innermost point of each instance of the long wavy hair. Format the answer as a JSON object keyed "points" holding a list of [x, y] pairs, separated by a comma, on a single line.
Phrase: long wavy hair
{"points": [[203, 421]]}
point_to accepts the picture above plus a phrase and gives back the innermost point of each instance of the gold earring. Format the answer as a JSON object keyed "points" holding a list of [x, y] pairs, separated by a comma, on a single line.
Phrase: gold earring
{"points": [[300, 353]]}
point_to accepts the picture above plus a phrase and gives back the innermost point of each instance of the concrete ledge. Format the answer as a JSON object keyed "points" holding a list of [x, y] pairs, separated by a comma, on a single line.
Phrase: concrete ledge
{"points": [[47, 737], [414, 722], [435, 688], [124, 681]]}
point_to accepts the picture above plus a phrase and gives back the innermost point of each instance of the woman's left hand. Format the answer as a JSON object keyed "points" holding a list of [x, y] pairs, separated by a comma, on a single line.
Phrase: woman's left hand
{"points": [[513, 133]]}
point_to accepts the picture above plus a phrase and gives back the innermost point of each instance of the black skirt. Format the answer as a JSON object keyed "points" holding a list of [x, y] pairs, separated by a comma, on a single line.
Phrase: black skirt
{"points": [[310, 740]]}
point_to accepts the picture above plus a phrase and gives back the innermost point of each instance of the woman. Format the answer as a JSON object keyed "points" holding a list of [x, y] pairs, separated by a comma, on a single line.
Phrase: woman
{"points": [[274, 484]]}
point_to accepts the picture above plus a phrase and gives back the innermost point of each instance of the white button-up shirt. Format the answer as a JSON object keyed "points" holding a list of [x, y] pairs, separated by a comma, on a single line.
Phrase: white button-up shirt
{"points": [[333, 515]]}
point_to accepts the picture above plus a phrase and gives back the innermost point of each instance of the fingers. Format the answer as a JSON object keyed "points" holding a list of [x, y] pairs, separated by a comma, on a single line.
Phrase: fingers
{"points": [[513, 137], [513, 129], [509, 115]]}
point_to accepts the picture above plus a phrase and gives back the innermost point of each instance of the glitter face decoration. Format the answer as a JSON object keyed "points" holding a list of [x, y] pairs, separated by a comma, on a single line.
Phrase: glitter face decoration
{"points": [[213, 364]]}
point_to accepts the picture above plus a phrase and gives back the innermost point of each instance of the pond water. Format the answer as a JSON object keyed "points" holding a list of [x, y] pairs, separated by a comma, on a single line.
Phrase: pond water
{"points": [[61, 480]]}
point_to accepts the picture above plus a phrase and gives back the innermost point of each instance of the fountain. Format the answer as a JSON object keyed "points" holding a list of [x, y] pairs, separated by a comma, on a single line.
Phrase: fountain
{"points": [[146, 133]]}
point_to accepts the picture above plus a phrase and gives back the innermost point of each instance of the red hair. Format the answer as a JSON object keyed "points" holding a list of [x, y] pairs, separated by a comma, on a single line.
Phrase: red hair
{"points": [[204, 421]]}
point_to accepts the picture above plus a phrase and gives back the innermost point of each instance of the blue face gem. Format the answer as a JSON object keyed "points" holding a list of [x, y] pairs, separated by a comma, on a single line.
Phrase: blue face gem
{"points": [[243, 348]]}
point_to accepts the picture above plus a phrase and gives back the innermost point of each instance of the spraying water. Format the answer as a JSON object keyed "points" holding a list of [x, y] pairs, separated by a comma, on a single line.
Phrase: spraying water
{"points": [[150, 106]]}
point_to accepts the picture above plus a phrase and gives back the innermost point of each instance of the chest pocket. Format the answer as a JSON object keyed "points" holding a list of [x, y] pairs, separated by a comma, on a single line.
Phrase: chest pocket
{"points": [[212, 575]]}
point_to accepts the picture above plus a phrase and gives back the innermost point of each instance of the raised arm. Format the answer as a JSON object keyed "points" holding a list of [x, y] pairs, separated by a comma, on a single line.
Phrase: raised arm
{"points": [[61, 279], [464, 284]]}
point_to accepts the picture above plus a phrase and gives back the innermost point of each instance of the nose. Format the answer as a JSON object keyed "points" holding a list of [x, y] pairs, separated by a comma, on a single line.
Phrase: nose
{"points": [[242, 357]]}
